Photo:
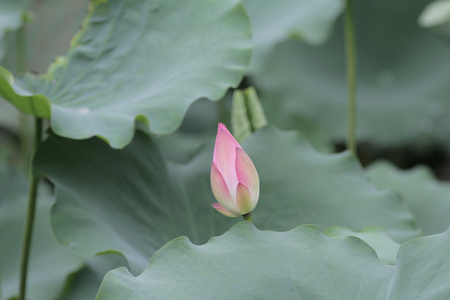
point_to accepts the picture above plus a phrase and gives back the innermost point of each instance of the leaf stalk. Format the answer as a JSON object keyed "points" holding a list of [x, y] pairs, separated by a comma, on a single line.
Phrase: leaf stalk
{"points": [[31, 212], [350, 50]]}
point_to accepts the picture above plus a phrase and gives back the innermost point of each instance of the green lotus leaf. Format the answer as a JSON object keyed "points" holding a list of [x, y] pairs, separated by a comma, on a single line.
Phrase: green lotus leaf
{"points": [[276, 21], [138, 60], [246, 263], [133, 202], [375, 237], [427, 198]]}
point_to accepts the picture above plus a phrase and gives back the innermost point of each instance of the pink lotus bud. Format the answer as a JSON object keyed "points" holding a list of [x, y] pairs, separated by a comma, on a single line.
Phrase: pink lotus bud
{"points": [[234, 180]]}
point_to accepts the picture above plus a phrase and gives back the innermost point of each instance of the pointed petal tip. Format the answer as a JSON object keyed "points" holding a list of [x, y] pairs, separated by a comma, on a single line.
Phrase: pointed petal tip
{"points": [[224, 128], [224, 151], [224, 135]]}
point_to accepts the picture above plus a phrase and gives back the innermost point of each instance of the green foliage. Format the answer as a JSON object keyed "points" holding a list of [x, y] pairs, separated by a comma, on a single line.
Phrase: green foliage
{"points": [[242, 128], [126, 61], [51, 263], [276, 21], [302, 185], [111, 201], [246, 263], [85, 283], [427, 198], [133, 202], [126, 187], [375, 237], [403, 79], [247, 115], [36, 105]]}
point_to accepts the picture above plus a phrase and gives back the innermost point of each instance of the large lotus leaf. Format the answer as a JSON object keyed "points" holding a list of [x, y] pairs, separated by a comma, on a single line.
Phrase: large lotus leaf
{"points": [[276, 21], [138, 60], [133, 202], [246, 263], [50, 263], [403, 70], [111, 200], [293, 174], [375, 237], [428, 198]]}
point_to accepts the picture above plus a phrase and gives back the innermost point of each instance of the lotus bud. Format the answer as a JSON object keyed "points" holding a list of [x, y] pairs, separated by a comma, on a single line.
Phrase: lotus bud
{"points": [[234, 179]]}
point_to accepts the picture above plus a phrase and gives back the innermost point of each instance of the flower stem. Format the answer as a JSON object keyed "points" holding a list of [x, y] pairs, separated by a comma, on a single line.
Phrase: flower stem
{"points": [[248, 217], [350, 50], [31, 209]]}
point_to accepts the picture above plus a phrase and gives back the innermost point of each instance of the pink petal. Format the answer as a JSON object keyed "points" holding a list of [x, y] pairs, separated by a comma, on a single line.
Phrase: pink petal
{"points": [[225, 155], [246, 173], [224, 211], [244, 201], [220, 189]]}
